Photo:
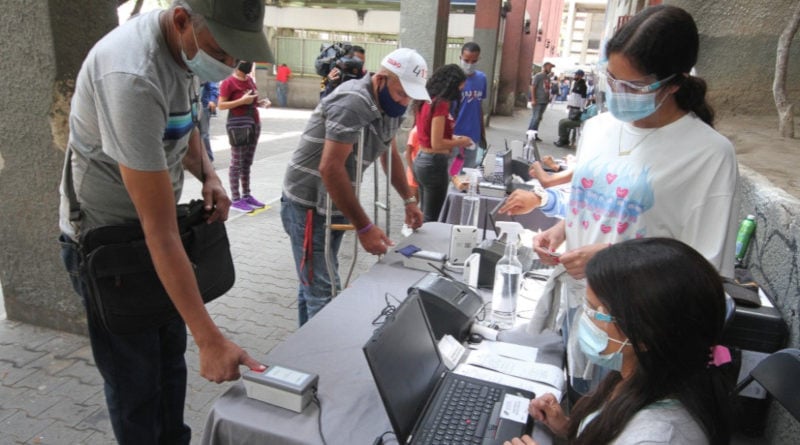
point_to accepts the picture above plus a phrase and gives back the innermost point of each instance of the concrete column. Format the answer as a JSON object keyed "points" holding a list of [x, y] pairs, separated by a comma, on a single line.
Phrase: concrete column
{"points": [[44, 47], [423, 27], [487, 34], [566, 51], [509, 64], [526, 48]]}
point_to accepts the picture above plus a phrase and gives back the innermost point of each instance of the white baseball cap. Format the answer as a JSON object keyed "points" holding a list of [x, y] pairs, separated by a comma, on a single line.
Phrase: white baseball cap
{"points": [[411, 69]]}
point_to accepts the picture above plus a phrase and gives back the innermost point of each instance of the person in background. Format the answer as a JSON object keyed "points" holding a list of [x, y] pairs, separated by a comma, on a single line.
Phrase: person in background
{"points": [[540, 96], [239, 94], [348, 67], [132, 136], [412, 150], [435, 131], [468, 112], [573, 120], [209, 94], [664, 385], [576, 102], [282, 77], [323, 166]]}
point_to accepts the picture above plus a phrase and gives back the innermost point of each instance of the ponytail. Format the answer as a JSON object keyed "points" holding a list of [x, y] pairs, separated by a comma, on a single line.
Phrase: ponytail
{"points": [[692, 97]]}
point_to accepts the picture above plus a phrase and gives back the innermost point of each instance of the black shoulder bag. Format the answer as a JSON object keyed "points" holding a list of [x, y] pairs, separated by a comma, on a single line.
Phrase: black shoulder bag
{"points": [[123, 285]]}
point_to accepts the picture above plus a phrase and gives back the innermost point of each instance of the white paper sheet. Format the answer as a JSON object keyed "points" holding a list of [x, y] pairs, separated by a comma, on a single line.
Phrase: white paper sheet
{"points": [[515, 408], [510, 350], [539, 372]]}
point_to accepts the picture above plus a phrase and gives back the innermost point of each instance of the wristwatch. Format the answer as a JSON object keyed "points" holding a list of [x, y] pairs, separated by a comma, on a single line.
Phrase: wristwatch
{"points": [[542, 194], [410, 200]]}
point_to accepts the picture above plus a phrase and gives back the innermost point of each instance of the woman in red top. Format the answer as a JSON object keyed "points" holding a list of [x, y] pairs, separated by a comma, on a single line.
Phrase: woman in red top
{"points": [[238, 93], [436, 140]]}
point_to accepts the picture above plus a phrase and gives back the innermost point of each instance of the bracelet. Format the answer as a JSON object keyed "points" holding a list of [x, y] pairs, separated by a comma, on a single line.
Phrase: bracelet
{"points": [[365, 229], [410, 200]]}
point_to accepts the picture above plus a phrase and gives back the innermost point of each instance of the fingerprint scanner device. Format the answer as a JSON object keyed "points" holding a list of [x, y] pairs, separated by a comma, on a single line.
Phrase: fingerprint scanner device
{"points": [[462, 240], [416, 258], [281, 386], [450, 305], [492, 250]]}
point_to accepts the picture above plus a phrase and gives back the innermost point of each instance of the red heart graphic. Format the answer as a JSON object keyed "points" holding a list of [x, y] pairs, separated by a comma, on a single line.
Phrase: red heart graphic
{"points": [[610, 177], [585, 224], [596, 216], [569, 224], [604, 228], [621, 192], [587, 183], [639, 235], [621, 227], [574, 210]]}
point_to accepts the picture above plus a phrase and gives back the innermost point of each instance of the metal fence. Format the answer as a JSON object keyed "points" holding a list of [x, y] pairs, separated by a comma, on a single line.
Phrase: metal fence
{"points": [[299, 54]]}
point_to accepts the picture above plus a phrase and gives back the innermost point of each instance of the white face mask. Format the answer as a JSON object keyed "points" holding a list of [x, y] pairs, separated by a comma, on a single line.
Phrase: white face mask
{"points": [[204, 66], [469, 68]]}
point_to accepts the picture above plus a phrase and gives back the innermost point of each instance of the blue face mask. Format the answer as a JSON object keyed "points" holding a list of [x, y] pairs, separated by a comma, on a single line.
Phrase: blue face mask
{"points": [[593, 340], [630, 107], [204, 66], [391, 107]]}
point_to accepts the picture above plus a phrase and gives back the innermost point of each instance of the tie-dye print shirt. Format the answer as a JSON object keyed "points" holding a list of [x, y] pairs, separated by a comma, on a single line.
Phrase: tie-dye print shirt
{"points": [[678, 182], [133, 105]]}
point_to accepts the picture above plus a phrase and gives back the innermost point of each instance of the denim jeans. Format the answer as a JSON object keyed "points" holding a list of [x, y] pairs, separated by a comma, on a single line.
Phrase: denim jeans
{"points": [[536, 117], [283, 94], [564, 126], [144, 374], [434, 179], [314, 290]]}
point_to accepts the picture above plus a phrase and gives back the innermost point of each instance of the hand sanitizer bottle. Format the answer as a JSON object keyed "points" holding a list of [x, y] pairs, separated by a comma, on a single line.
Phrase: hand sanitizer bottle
{"points": [[471, 204], [507, 278]]}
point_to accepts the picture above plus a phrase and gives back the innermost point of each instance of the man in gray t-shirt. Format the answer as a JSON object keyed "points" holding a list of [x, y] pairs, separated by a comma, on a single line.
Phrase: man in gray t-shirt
{"points": [[324, 165], [540, 96], [132, 133]]}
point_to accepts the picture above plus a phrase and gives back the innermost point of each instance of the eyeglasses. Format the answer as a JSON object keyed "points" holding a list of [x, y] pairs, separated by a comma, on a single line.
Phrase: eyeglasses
{"points": [[597, 315], [635, 86]]}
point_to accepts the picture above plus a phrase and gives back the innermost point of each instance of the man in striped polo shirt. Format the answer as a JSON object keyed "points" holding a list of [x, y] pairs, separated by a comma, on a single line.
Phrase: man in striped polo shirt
{"points": [[324, 164]]}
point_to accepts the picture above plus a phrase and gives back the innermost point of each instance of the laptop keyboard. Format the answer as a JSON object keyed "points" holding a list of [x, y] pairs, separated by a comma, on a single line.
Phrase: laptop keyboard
{"points": [[462, 412]]}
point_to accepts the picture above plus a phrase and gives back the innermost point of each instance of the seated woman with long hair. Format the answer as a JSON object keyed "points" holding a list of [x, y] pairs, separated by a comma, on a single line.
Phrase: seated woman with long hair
{"points": [[653, 314]]}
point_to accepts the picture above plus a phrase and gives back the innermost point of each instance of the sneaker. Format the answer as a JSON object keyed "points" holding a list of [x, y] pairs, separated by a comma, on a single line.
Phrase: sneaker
{"points": [[537, 138], [242, 206], [253, 202], [560, 144]]}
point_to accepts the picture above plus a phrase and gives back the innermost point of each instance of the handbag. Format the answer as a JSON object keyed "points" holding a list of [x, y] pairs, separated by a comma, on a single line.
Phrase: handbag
{"points": [[241, 131], [122, 280], [123, 286]]}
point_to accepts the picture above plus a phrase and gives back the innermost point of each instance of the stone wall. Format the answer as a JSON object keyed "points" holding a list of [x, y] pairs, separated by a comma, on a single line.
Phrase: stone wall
{"points": [[774, 260], [738, 43]]}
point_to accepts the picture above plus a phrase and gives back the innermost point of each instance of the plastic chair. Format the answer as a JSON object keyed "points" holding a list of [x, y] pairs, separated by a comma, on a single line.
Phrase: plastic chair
{"points": [[778, 374]]}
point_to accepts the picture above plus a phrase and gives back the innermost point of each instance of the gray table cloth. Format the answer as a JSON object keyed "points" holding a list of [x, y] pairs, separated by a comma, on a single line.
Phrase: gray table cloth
{"points": [[330, 346]]}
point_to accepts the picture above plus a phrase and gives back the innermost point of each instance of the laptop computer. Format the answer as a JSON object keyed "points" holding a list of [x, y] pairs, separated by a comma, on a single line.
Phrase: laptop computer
{"points": [[427, 404]]}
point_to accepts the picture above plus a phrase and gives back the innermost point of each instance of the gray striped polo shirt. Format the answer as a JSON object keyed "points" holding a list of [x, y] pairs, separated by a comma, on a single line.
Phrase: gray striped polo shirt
{"points": [[339, 117]]}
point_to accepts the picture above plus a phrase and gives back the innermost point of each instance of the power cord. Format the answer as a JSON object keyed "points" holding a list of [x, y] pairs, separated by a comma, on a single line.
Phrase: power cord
{"points": [[387, 311], [379, 440], [319, 418]]}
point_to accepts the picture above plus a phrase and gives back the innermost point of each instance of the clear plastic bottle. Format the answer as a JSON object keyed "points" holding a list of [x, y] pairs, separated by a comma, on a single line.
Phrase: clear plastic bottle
{"points": [[507, 281], [471, 204]]}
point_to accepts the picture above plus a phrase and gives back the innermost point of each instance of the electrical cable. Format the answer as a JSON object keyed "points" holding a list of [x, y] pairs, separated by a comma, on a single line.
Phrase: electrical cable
{"points": [[319, 418]]}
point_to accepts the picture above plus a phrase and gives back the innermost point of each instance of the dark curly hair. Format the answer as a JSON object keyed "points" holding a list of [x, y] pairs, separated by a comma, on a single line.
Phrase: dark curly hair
{"points": [[444, 83], [663, 40]]}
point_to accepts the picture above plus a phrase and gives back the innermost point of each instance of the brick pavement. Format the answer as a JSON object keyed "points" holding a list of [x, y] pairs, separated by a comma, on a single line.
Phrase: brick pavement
{"points": [[50, 392]]}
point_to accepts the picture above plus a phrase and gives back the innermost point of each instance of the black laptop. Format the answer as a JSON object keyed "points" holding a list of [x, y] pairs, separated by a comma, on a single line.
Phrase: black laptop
{"points": [[426, 403]]}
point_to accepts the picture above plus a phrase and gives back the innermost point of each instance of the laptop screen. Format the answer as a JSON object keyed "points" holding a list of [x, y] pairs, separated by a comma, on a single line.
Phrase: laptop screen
{"points": [[405, 364], [507, 157]]}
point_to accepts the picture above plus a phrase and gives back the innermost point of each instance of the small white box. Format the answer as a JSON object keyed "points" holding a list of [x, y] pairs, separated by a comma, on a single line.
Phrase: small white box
{"points": [[281, 386]]}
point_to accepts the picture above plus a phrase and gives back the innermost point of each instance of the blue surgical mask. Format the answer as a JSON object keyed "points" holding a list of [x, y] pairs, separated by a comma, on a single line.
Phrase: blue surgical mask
{"points": [[204, 66], [630, 107], [391, 107], [593, 340]]}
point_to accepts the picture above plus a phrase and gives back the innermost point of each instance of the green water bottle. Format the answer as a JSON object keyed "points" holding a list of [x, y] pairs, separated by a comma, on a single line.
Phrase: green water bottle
{"points": [[746, 230]]}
